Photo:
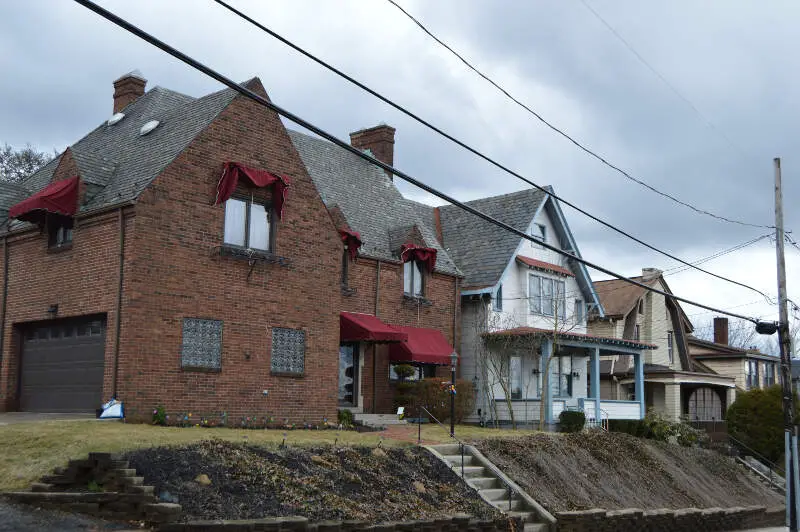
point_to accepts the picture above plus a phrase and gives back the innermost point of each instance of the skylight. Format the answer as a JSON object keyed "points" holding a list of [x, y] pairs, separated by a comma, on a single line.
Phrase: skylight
{"points": [[116, 117], [148, 127]]}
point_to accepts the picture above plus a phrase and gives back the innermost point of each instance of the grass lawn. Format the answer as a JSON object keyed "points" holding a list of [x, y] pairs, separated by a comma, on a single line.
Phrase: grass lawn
{"points": [[31, 450]]}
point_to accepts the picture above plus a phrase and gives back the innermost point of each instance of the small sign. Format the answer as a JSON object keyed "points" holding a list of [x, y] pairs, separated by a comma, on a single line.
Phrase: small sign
{"points": [[400, 412]]}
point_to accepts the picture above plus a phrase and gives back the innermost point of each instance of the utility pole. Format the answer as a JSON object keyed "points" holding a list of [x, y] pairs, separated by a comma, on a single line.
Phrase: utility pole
{"points": [[784, 340]]}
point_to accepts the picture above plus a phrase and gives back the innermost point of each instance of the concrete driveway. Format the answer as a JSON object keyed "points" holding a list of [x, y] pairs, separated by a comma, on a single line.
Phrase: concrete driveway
{"points": [[10, 418]]}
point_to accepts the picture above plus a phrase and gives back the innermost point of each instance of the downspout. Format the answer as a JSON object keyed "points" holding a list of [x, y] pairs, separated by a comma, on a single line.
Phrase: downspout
{"points": [[374, 346], [121, 218], [3, 307], [456, 308]]}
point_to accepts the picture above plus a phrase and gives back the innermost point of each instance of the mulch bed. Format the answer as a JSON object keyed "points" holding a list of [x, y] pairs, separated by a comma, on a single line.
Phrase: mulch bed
{"points": [[324, 483], [615, 471]]}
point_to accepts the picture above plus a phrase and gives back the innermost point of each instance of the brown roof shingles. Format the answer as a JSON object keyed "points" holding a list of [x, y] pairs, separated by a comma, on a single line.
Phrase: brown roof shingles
{"points": [[618, 297]]}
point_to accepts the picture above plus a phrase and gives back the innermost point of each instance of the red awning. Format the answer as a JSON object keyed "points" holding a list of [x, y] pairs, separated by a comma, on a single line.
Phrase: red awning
{"points": [[426, 256], [546, 266], [258, 178], [424, 346], [356, 327], [352, 239], [59, 197]]}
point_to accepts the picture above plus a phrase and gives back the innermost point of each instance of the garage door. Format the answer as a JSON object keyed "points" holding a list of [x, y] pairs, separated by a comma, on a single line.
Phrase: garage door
{"points": [[62, 366]]}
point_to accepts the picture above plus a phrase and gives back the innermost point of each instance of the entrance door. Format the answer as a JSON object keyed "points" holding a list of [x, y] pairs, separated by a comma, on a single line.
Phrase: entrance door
{"points": [[348, 375]]}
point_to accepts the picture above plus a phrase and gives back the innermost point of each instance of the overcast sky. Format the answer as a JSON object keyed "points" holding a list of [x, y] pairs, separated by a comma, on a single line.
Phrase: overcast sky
{"points": [[735, 61]]}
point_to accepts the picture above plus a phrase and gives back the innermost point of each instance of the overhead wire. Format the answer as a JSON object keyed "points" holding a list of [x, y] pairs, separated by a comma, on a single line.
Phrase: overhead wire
{"points": [[469, 148], [571, 139], [122, 23]]}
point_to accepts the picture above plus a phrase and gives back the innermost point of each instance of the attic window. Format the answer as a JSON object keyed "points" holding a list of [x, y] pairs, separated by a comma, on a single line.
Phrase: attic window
{"points": [[115, 118], [148, 127]]}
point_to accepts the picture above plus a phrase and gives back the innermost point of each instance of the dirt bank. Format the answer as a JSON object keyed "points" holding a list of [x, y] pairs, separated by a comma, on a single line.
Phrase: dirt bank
{"points": [[615, 471], [247, 481]]}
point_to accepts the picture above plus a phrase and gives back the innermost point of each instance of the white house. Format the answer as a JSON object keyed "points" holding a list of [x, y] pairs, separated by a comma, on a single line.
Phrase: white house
{"points": [[523, 304]]}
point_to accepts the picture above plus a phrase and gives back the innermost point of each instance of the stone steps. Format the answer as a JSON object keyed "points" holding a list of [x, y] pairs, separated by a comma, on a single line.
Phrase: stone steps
{"points": [[378, 420], [493, 487]]}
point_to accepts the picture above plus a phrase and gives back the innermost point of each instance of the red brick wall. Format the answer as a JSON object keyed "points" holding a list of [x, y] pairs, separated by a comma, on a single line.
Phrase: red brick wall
{"points": [[394, 309], [178, 230]]}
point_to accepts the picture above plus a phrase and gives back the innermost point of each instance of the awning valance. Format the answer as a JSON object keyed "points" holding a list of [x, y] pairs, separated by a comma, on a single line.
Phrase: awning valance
{"points": [[356, 327], [544, 266], [352, 239], [258, 178], [424, 346], [59, 197], [427, 256]]}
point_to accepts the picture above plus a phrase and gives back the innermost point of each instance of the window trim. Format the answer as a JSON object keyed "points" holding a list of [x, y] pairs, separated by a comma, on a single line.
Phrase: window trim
{"points": [[562, 310], [497, 301], [271, 220], [580, 312], [511, 378], [671, 346], [570, 380], [637, 332], [423, 279]]}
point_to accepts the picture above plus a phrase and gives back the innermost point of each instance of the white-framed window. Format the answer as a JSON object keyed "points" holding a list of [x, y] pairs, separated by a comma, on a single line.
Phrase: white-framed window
{"points": [[547, 296], [670, 347], [497, 301], [413, 282], [751, 374], [769, 374], [539, 232], [563, 376], [580, 316], [515, 377], [247, 224]]}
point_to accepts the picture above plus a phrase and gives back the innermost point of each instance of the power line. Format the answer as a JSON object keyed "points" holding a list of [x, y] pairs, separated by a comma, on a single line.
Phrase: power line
{"points": [[470, 148], [388, 168], [679, 269], [578, 144], [663, 79]]}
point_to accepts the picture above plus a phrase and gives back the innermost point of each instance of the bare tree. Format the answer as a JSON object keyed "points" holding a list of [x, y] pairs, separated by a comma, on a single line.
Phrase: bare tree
{"points": [[18, 164], [741, 333]]}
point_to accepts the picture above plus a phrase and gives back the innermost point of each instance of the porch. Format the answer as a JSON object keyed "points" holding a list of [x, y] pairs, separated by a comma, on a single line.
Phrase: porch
{"points": [[518, 359]]}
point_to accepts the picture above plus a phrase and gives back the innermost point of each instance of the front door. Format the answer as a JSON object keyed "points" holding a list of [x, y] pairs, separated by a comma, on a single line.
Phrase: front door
{"points": [[348, 375]]}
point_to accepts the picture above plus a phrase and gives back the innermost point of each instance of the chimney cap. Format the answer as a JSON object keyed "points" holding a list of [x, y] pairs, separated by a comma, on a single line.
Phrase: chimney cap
{"points": [[132, 74], [381, 126]]}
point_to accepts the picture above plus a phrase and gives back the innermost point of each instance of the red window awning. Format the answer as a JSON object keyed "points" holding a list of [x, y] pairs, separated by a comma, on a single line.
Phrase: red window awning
{"points": [[352, 239], [356, 327], [424, 346], [59, 197], [427, 256], [231, 173]]}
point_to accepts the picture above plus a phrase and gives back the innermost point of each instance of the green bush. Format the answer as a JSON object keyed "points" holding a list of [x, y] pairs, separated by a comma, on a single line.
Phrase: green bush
{"points": [[656, 427], [433, 394], [345, 418], [756, 419], [159, 416], [571, 420], [404, 395], [404, 371]]}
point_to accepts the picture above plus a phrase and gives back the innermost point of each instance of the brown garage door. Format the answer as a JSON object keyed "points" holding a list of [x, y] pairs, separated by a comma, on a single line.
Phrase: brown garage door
{"points": [[62, 366]]}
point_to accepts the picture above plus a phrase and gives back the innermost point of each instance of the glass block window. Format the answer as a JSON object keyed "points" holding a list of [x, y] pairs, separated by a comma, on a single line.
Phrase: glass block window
{"points": [[288, 350], [202, 343]]}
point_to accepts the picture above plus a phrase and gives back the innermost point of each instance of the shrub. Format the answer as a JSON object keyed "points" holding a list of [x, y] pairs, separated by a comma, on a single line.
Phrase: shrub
{"points": [[345, 418], [159, 416], [656, 427], [572, 420], [435, 397], [756, 419], [404, 371], [404, 394]]}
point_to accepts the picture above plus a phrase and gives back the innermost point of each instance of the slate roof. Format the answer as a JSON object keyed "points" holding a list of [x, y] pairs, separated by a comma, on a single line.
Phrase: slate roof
{"points": [[481, 249], [369, 201], [116, 162]]}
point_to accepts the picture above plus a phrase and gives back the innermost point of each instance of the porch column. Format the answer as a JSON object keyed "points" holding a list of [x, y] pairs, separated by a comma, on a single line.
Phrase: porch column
{"points": [[731, 397], [639, 382], [672, 400], [595, 384], [547, 352]]}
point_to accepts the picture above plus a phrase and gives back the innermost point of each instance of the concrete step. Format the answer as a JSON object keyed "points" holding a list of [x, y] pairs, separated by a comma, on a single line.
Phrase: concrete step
{"points": [[378, 420], [493, 494], [455, 459], [503, 505], [536, 527], [471, 471], [483, 483], [447, 449]]}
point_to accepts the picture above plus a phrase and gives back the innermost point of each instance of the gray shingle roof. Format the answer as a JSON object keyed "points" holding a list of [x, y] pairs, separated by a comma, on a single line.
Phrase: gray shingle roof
{"points": [[482, 250], [117, 163], [368, 199]]}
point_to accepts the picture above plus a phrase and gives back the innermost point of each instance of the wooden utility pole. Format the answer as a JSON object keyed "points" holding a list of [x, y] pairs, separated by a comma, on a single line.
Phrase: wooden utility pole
{"points": [[784, 341]]}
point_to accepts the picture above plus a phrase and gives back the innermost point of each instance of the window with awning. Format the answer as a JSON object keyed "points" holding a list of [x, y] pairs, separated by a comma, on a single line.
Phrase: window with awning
{"points": [[426, 257], [59, 198], [423, 346], [233, 172]]}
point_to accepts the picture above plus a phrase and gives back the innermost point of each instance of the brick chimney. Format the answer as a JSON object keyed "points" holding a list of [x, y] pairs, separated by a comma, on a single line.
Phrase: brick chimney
{"points": [[650, 273], [721, 331], [127, 89], [379, 140]]}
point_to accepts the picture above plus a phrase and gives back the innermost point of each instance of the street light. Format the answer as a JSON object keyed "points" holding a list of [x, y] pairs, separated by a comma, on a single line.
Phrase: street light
{"points": [[453, 364]]}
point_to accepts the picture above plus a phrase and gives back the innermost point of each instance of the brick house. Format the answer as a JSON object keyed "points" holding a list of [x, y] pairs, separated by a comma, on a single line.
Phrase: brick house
{"points": [[134, 267]]}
